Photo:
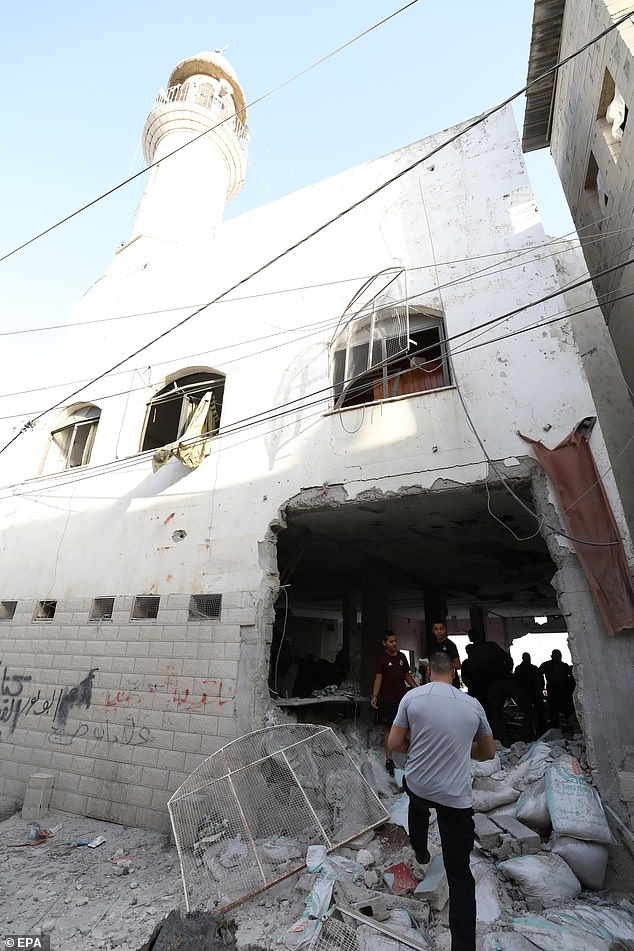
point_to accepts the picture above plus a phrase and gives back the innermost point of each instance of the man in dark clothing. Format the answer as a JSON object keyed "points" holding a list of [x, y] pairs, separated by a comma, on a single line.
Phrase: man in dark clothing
{"points": [[442, 644], [560, 685], [392, 673], [487, 674], [529, 696]]}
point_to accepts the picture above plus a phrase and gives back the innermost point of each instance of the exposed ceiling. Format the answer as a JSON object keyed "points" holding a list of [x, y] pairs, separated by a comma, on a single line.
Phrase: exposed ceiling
{"points": [[446, 539]]}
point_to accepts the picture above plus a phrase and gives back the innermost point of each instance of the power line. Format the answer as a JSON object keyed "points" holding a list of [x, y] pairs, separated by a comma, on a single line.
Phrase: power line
{"points": [[240, 113], [461, 132]]}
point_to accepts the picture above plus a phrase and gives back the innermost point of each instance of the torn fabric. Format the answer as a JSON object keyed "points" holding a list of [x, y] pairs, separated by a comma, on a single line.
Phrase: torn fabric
{"points": [[190, 453], [588, 515]]}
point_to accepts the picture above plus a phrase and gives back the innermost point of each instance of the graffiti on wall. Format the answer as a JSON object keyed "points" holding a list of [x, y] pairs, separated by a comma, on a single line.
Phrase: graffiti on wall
{"points": [[19, 701], [211, 692]]}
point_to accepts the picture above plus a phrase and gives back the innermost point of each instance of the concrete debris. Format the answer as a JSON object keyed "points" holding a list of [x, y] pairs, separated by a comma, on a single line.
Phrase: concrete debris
{"points": [[84, 903]]}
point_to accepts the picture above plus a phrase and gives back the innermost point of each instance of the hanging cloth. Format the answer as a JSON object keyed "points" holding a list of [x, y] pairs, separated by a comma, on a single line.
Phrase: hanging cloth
{"points": [[587, 515]]}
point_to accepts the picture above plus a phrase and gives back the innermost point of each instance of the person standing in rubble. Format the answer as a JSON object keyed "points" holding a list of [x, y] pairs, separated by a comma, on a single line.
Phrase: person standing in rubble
{"points": [[560, 685], [392, 675], [530, 681], [441, 643], [441, 729], [487, 672]]}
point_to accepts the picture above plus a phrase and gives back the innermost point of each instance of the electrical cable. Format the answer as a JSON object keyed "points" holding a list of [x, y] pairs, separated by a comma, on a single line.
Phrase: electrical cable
{"points": [[190, 142], [461, 132]]}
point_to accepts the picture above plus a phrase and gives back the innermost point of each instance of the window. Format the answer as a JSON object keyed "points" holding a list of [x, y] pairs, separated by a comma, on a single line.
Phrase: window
{"points": [[71, 444], [101, 609], [612, 115], [45, 611], [204, 606], [145, 608], [171, 411], [7, 610], [380, 358], [595, 182]]}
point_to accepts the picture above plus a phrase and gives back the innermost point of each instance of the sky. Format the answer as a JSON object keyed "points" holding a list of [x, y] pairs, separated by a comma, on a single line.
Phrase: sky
{"points": [[80, 78]]}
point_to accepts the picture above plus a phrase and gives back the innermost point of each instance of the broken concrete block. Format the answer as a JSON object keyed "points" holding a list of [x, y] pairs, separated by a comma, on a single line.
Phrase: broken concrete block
{"points": [[434, 888], [527, 840], [362, 841], [365, 858], [507, 848], [371, 878], [375, 908], [487, 833]]}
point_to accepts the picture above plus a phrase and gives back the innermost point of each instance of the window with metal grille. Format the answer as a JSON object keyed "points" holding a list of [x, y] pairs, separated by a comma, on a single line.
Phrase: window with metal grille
{"points": [[71, 444], [170, 412], [145, 608], [7, 610], [101, 609], [45, 610], [374, 363], [204, 606]]}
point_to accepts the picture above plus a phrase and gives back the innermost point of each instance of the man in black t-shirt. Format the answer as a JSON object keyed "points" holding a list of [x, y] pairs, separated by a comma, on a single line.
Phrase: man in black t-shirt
{"points": [[442, 644]]}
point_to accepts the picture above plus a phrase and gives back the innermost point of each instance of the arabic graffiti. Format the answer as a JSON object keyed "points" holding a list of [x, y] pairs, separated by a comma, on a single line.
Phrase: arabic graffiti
{"points": [[127, 733], [78, 696], [186, 700]]}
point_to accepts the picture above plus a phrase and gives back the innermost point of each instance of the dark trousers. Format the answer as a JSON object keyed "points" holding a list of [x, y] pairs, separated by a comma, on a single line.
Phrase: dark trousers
{"points": [[456, 837]]}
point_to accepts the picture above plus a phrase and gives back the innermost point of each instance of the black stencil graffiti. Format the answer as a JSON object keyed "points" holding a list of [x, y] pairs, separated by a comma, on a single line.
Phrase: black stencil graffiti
{"points": [[128, 733], [10, 691], [79, 696]]}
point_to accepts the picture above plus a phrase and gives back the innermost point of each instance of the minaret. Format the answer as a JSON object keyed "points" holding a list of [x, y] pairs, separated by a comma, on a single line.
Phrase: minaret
{"points": [[186, 194]]}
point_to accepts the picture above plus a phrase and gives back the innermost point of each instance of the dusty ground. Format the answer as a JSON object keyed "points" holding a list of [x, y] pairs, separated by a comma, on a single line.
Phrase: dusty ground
{"points": [[118, 894]]}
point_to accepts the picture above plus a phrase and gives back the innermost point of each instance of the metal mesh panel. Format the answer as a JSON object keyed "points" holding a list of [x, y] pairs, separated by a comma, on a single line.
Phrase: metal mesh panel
{"points": [[203, 606], [145, 608], [333, 935], [245, 818], [102, 609]]}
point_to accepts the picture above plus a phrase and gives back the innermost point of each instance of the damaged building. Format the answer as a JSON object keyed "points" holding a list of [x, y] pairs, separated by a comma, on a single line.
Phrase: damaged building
{"points": [[332, 437]]}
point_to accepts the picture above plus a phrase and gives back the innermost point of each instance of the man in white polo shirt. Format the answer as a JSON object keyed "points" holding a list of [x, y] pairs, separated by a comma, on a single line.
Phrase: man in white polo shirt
{"points": [[441, 729]]}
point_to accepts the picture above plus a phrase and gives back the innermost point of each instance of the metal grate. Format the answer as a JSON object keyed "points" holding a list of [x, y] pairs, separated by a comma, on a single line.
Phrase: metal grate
{"points": [[145, 608], [204, 606], [102, 609], [45, 610], [333, 935], [245, 818]]}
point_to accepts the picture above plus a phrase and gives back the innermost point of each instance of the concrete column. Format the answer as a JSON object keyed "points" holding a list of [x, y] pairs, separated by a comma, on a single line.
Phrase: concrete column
{"points": [[374, 617], [478, 619], [351, 637], [602, 664]]}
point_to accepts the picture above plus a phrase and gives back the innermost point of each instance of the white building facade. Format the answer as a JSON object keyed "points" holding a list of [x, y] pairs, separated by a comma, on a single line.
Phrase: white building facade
{"points": [[345, 416]]}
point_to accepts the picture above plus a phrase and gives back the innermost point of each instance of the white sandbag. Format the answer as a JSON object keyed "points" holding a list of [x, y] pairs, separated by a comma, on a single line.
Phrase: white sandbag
{"points": [[574, 806], [506, 941], [538, 757], [588, 860], [544, 876], [554, 936], [606, 920], [487, 767], [489, 793], [532, 808]]}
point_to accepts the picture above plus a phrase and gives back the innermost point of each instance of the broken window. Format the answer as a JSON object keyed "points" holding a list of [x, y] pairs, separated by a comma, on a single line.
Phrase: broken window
{"points": [[204, 606], [7, 610], [380, 358], [45, 610], [71, 444], [612, 115], [595, 181], [171, 411]]}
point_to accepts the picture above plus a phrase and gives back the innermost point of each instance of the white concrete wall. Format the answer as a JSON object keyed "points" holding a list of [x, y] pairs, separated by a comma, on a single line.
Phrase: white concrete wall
{"points": [[458, 221]]}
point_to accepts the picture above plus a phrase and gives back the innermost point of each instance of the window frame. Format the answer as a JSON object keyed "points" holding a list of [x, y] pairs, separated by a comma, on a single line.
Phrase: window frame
{"points": [[176, 388], [83, 422]]}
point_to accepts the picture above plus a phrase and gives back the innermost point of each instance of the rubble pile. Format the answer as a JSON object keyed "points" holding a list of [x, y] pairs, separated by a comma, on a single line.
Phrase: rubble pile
{"points": [[542, 863]]}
